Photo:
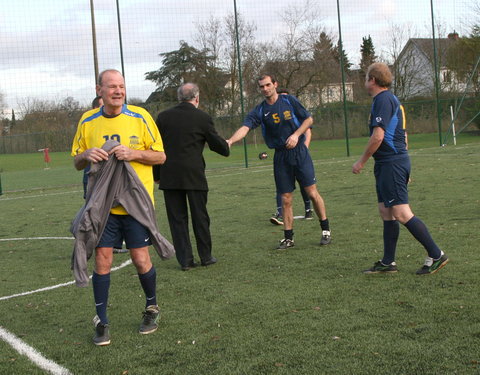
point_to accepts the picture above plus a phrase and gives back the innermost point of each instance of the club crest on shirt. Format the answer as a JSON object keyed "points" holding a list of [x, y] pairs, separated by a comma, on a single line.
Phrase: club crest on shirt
{"points": [[378, 119], [134, 141]]}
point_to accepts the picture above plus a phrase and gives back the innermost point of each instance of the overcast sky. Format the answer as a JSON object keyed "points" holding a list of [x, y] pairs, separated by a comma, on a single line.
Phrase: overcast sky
{"points": [[46, 45]]}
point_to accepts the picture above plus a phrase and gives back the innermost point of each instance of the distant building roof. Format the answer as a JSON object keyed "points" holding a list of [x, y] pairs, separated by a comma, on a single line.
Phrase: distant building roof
{"points": [[425, 46]]}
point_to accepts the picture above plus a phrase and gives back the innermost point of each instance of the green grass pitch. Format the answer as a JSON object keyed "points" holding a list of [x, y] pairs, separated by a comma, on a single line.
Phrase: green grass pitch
{"points": [[308, 310]]}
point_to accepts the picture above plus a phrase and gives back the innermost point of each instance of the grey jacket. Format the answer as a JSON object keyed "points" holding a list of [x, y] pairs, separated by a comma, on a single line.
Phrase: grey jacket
{"points": [[111, 183]]}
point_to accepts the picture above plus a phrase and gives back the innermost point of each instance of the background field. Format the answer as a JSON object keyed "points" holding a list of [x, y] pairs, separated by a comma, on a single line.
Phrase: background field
{"points": [[308, 310]]}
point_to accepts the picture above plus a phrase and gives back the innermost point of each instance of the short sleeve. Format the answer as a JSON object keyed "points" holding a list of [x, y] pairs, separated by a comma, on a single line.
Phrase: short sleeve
{"points": [[300, 111], [382, 112], [253, 119], [153, 139], [79, 145]]}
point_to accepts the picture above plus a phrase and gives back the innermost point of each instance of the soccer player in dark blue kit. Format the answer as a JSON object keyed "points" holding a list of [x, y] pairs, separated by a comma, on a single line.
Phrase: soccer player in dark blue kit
{"points": [[388, 146], [277, 217], [284, 121]]}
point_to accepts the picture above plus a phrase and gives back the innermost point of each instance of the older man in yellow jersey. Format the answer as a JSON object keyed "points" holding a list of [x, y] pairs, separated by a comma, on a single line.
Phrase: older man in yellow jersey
{"points": [[141, 145]]}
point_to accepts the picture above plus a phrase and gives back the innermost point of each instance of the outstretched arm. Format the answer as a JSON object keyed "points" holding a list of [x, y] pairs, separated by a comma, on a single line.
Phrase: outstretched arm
{"points": [[238, 135], [215, 142]]}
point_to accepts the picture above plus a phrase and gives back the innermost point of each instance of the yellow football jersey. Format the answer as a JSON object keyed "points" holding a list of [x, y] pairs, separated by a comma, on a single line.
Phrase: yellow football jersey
{"points": [[134, 128]]}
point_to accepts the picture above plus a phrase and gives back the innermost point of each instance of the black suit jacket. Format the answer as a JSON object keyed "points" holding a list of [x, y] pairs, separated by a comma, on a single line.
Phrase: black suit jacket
{"points": [[185, 129]]}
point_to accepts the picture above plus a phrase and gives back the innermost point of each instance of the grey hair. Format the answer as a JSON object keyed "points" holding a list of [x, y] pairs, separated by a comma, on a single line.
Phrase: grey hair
{"points": [[100, 76], [187, 92]]}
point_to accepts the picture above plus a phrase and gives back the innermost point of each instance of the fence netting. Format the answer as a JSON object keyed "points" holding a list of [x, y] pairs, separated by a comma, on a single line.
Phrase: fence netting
{"points": [[51, 53]]}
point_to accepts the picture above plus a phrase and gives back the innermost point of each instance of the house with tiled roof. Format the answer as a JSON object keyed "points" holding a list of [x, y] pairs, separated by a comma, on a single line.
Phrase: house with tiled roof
{"points": [[414, 68]]}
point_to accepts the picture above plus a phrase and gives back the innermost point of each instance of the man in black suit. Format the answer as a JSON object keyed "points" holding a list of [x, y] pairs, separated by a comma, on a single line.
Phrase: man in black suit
{"points": [[185, 129]]}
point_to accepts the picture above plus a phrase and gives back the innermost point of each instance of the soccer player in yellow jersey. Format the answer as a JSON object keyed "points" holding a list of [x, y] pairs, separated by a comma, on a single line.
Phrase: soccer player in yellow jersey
{"points": [[141, 145]]}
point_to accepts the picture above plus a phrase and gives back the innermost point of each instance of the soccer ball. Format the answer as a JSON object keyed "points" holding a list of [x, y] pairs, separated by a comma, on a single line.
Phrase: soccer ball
{"points": [[262, 155]]}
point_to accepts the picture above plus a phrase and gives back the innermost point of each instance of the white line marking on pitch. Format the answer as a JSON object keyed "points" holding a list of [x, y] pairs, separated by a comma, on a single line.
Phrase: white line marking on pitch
{"points": [[32, 354], [124, 264], [263, 168], [39, 195], [36, 238]]}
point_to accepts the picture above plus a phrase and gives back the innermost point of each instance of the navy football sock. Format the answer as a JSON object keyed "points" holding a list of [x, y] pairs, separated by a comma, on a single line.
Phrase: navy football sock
{"points": [[391, 230], [306, 200], [308, 205], [101, 285], [324, 224], [149, 285], [288, 234], [419, 230], [279, 204]]}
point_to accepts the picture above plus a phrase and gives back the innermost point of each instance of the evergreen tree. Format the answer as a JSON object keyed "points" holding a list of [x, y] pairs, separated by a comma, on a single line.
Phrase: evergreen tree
{"points": [[188, 64], [178, 66], [337, 52], [326, 59], [323, 47], [368, 54]]}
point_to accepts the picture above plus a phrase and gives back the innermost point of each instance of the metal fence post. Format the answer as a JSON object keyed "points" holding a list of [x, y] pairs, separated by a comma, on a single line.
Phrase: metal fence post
{"points": [[240, 78], [345, 118], [437, 89]]}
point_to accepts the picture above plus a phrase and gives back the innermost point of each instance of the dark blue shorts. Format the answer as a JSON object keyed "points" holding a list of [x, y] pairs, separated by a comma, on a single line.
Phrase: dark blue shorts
{"points": [[392, 181], [121, 228], [291, 165]]}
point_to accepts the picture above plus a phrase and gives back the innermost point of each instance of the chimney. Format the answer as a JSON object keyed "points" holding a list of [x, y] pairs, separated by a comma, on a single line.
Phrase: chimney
{"points": [[453, 36]]}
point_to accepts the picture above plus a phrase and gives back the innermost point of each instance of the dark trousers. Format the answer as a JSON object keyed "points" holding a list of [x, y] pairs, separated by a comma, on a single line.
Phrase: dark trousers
{"points": [[177, 213]]}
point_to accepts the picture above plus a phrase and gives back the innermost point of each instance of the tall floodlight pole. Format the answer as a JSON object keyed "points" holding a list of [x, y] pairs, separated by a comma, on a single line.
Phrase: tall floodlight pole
{"points": [[240, 78], [94, 42], [437, 89], [340, 45], [121, 44]]}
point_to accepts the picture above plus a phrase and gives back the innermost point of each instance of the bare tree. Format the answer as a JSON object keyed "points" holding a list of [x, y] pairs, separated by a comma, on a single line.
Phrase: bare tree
{"points": [[135, 101], [476, 11], [39, 115], [250, 57], [414, 61], [209, 38], [2, 104], [412, 74], [295, 47], [218, 37], [5, 123], [400, 34]]}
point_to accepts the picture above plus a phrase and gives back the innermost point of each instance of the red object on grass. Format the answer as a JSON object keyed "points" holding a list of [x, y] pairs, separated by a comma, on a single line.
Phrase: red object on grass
{"points": [[46, 156]]}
